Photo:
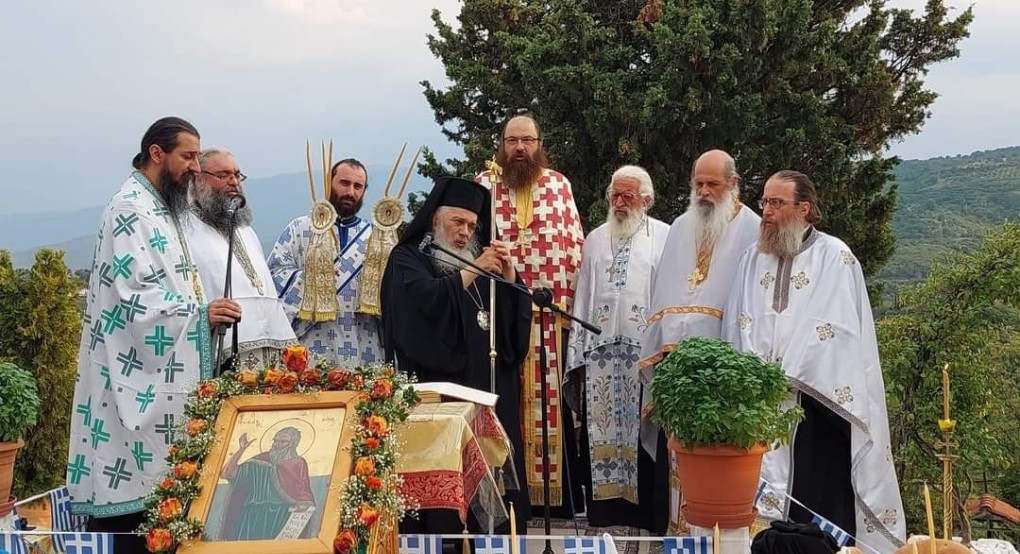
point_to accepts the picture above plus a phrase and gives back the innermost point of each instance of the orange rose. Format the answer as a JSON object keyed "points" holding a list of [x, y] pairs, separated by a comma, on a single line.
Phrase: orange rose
{"points": [[376, 425], [159, 540], [344, 542], [288, 381], [311, 377], [383, 388], [185, 470], [388, 371], [248, 378], [207, 389], [364, 466], [295, 357], [373, 482], [367, 514], [273, 377], [172, 452], [371, 443], [359, 382], [196, 426], [169, 509], [167, 484], [337, 378]]}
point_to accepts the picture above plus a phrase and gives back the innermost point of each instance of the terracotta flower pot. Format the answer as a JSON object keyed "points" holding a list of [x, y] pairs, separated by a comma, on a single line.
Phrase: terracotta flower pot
{"points": [[7, 506], [718, 483], [8, 450]]}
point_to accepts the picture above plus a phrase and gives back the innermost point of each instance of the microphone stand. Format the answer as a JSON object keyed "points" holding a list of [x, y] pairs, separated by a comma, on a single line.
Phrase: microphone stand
{"points": [[543, 298], [221, 329]]}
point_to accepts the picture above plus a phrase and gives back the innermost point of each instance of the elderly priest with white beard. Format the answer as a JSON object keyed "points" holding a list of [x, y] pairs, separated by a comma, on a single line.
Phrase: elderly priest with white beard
{"points": [[436, 317], [618, 260], [801, 301], [690, 289]]}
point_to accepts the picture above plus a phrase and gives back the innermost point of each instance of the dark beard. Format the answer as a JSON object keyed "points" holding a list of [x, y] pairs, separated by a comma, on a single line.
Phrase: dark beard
{"points": [[521, 173], [175, 191], [343, 212], [212, 208]]}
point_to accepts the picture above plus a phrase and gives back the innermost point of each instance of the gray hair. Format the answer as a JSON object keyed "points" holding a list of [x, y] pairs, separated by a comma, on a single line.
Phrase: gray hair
{"points": [[644, 180], [729, 166], [205, 155]]}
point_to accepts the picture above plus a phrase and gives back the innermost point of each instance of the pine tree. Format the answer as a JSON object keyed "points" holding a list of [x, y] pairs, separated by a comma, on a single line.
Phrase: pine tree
{"points": [[817, 86]]}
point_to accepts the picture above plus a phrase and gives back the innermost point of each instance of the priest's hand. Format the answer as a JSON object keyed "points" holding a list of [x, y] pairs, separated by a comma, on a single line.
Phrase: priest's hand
{"points": [[506, 263], [490, 261], [224, 311]]}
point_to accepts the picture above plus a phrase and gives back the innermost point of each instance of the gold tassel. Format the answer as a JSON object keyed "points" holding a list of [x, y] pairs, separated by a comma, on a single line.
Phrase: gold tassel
{"points": [[318, 289]]}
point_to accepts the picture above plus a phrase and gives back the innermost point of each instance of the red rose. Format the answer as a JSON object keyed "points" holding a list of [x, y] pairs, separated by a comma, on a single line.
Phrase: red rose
{"points": [[159, 540], [288, 381], [371, 443], [373, 482], [337, 378], [185, 470], [344, 541], [311, 377], [383, 388], [169, 509], [167, 484], [367, 514], [295, 358], [207, 389]]}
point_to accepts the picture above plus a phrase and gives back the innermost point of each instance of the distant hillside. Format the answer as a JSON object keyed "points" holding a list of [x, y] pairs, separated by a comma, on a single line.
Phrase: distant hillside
{"points": [[947, 203], [274, 201]]}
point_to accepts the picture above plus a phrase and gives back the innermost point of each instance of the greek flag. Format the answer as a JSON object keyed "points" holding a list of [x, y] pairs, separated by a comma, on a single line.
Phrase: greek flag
{"points": [[499, 544], [87, 543], [761, 490], [585, 545], [421, 544], [841, 536], [687, 545], [61, 518], [12, 544]]}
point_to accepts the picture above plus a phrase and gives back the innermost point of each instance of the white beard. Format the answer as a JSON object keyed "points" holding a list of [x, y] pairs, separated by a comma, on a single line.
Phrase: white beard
{"points": [[628, 226], [445, 263], [711, 221]]}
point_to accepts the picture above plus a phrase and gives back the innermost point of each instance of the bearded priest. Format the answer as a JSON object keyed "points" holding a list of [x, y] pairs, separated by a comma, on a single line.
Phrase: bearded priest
{"points": [[436, 317], [618, 260], [801, 302]]}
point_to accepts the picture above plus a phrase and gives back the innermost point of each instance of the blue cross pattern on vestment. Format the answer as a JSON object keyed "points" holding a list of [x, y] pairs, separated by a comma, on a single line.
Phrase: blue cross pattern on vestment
{"points": [[141, 455], [318, 348], [348, 321], [347, 350], [173, 368], [144, 399], [86, 411], [77, 469], [130, 362]]}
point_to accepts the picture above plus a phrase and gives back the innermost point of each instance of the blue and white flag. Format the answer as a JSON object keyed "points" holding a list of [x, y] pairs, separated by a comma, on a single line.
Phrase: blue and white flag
{"points": [[12, 544], [762, 484], [87, 543], [421, 544], [841, 536], [687, 545], [585, 545], [61, 518], [499, 544]]}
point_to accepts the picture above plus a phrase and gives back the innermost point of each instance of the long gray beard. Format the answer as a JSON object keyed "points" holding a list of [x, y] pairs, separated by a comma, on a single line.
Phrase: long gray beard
{"points": [[445, 263], [212, 208], [782, 241], [281, 455], [712, 219], [628, 226]]}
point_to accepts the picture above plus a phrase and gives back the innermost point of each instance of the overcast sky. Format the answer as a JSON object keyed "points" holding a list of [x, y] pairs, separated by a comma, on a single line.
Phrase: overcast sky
{"points": [[82, 80]]}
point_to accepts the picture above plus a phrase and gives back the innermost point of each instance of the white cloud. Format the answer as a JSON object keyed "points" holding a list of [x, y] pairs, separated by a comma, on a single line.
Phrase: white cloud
{"points": [[321, 11]]}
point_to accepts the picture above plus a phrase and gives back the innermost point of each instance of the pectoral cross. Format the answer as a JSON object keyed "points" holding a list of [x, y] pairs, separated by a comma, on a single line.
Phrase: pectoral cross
{"points": [[695, 278], [524, 237]]}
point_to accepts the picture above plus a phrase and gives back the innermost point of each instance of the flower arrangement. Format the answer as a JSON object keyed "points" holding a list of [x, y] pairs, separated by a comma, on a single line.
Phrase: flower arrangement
{"points": [[372, 492]]}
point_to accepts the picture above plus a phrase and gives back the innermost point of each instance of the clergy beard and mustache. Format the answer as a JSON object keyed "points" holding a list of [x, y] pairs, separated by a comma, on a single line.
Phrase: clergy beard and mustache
{"points": [[445, 263], [211, 207], [522, 172], [345, 206], [175, 191], [781, 239], [712, 218], [628, 225]]}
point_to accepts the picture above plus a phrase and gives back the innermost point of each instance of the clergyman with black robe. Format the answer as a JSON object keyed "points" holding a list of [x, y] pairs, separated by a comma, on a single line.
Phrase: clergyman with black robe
{"points": [[436, 316]]}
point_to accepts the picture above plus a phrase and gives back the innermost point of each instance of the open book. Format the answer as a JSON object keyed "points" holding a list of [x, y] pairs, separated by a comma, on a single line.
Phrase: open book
{"points": [[437, 392]]}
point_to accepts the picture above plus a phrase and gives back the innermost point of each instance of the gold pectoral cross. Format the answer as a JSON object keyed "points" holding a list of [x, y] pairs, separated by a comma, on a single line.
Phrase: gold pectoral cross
{"points": [[695, 278], [524, 237]]}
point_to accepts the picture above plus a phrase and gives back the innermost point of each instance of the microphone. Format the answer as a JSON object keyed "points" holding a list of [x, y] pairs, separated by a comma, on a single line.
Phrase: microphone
{"points": [[426, 242], [236, 203]]}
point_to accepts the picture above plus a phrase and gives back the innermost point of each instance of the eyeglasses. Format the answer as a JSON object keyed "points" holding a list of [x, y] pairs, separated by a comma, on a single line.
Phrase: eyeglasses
{"points": [[225, 175], [526, 141], [776, 203], [626, 196]]}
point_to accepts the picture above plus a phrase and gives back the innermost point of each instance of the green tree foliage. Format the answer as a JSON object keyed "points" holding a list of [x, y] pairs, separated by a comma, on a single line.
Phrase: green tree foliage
{"points": [[41, 326], [966, 314], [817, 86]]}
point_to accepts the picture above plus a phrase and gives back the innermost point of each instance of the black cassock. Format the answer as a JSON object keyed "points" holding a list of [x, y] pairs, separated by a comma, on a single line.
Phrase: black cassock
{"points": [[431, 330]]}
